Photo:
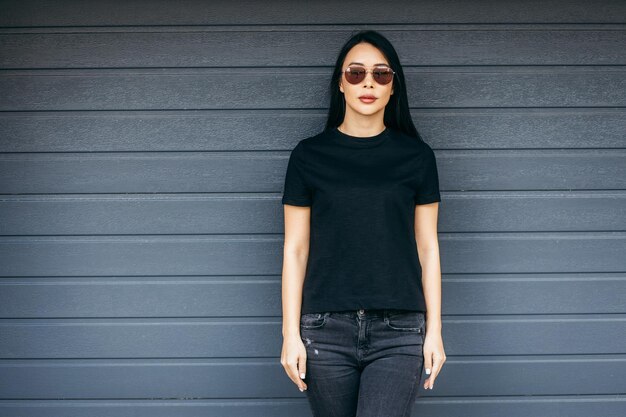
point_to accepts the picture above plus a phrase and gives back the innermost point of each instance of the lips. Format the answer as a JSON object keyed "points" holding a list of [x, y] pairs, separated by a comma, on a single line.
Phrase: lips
{"points": [[367, 99]]}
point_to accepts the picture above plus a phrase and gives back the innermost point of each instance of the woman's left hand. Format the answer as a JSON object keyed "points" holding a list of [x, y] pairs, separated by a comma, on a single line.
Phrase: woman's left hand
{"points": [[434, 356]]}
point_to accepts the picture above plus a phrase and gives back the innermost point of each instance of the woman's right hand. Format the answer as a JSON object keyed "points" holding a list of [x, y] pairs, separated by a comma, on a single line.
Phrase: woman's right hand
{"points": [[293, 359]]}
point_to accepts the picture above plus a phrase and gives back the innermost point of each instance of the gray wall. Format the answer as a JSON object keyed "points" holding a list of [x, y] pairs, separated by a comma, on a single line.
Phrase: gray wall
{"points": [[143, 148]]}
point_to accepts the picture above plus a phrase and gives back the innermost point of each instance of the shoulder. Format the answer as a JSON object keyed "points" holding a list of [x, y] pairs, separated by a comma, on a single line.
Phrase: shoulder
{"points": [[415, 146], [310, 142], [314, 139]]}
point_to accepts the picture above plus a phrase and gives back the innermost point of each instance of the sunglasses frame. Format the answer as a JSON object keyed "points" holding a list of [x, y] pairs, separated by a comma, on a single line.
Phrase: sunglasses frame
{"points": [[393, 73]]}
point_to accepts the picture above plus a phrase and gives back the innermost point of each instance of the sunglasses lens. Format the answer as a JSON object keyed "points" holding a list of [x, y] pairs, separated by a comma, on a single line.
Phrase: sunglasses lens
{"points": [[354, 75], [383, 76]]}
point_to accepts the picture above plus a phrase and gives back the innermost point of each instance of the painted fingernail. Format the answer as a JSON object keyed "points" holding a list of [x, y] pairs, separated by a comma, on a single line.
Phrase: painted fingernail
{"points": [[301, 390], [302, 375], [427, 371]]}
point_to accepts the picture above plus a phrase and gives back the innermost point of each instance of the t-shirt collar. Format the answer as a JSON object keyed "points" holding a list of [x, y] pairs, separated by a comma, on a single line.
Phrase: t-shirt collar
{"points": [[359, 141]]}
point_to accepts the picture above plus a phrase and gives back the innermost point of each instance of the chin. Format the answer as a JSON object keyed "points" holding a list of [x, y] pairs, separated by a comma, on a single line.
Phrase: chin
{"points": [[366, 108]]}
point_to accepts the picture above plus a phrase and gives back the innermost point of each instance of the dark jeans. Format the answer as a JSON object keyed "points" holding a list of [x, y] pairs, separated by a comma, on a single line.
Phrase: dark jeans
{"points": [[365, 363]]}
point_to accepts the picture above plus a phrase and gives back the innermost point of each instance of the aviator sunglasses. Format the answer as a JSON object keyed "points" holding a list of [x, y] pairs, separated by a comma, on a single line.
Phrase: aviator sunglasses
{"points": [[356, 73]]}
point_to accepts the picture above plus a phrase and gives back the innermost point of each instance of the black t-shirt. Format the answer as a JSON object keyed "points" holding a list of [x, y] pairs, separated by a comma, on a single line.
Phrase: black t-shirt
{"points": [[362, 192]]}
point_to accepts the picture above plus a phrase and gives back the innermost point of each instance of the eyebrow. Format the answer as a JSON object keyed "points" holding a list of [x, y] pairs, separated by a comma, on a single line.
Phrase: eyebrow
{"points": [[360, 63]]}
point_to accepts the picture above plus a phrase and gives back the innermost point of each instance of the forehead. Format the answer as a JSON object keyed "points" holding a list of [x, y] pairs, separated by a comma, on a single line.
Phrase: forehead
{"points": [[365, 54]]}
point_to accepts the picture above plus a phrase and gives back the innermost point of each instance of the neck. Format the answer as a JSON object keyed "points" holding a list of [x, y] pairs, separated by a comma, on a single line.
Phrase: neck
{"points": [[361, 125], [359, 130]]}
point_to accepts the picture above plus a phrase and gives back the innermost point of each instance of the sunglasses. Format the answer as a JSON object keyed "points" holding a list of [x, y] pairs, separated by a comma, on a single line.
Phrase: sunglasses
{"points": [[356, 73]]}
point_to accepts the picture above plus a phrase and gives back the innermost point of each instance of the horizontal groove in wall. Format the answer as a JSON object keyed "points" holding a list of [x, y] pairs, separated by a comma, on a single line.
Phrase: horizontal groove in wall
{"points": [[404, 27]]}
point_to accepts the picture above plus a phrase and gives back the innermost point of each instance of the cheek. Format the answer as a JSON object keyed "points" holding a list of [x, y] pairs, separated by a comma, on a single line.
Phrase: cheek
{"points": [[384, 101], [385, 97]]}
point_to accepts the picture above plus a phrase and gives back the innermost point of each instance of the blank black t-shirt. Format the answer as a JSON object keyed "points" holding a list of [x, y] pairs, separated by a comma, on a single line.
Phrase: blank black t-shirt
{"points": [[362, 192]]}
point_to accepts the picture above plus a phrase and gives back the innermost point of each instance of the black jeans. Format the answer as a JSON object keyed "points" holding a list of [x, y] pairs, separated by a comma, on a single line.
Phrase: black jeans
{"points": [[365, 363]]}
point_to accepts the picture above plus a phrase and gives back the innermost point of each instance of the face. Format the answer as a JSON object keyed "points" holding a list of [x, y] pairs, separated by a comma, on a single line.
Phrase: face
{"points": [[370, 57]]}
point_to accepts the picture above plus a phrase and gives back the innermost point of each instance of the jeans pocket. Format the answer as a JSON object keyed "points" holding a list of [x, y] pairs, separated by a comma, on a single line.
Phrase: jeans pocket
{"points": [[405, 321], [313, 320]]}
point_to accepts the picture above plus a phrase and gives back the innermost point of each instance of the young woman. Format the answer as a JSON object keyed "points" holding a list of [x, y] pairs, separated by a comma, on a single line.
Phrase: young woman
{"points": [[361, 276]]}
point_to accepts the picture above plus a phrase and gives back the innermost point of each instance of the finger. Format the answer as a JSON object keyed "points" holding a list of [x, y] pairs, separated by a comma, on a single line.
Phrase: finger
{"points": [[299, 370], [291, 369], [293, 374], [431, 372], [428, 364], [302, 375], [434, 373], [302, 366]]}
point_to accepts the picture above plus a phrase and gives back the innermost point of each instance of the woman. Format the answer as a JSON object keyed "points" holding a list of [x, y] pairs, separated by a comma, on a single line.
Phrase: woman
{"points": [[361, 276]]}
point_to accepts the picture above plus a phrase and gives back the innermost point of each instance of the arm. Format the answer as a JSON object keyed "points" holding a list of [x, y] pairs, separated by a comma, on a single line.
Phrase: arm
{"points": [[295, 258], [428, 252]]}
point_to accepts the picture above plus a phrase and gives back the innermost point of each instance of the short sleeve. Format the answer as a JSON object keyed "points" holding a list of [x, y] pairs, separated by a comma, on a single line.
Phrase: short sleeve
{"points": [[296, 191], [428, 189]]}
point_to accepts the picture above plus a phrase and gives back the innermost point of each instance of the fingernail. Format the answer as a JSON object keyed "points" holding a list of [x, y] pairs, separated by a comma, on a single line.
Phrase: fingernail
{"points": [[301, 390], [302, 375], [427, 371]]}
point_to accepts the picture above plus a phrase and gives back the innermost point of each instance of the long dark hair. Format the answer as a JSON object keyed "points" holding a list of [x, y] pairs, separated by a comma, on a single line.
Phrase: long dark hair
{"points": [[397, 115]]}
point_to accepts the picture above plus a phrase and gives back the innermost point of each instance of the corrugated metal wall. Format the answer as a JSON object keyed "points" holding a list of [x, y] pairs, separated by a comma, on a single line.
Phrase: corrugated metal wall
{"points": [[143, 148]]}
